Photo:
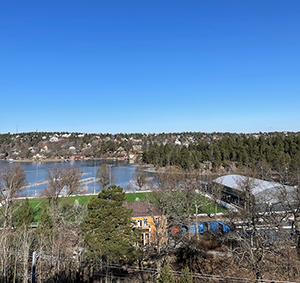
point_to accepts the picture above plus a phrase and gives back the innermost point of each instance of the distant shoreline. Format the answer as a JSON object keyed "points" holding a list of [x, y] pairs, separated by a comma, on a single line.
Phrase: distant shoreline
{"points": [[61, 160]]}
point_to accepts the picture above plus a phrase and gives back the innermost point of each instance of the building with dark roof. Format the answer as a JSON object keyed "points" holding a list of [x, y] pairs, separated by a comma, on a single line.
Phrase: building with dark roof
{"points": [[146, 217]]}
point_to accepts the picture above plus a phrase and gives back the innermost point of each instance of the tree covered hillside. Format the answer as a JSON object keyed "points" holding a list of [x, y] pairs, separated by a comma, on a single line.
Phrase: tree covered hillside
{"points": [[275, 151]]}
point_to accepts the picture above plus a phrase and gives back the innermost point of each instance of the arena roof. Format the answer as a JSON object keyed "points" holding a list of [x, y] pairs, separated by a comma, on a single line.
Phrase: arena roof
{"points": [[263, 191]]}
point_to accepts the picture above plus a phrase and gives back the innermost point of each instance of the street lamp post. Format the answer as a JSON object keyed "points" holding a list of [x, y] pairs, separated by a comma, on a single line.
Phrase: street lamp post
{"points": [[35, 256]]}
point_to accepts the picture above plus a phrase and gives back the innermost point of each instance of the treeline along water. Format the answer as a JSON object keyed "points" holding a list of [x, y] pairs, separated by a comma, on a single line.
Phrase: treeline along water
{"points": [[242, 150], [37, 174]]}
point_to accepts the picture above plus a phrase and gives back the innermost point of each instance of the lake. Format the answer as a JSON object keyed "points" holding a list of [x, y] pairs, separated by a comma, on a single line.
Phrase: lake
{"points": [[37, 172]]}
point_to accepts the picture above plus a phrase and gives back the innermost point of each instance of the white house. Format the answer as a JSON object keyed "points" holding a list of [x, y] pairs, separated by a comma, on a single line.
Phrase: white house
{"points": [[53, 139]]}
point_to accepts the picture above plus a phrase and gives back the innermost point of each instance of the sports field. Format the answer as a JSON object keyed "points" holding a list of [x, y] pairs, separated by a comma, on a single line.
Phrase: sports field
{"points": [[37, 203]]}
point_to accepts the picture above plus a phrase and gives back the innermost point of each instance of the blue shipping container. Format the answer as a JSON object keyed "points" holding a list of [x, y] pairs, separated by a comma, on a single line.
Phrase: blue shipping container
{"points": [[214, 226], [200, 228], [224, 227]]}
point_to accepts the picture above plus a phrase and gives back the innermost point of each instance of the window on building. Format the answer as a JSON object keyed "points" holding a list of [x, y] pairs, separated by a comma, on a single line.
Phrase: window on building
{"points": [[146, 238], [145, 222], [140, 223]]}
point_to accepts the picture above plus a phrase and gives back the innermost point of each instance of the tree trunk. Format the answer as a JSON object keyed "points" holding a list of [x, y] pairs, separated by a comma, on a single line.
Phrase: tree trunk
{"points": [[91, 274], [297, 233], [10, 215], [189, 226], [77, 267], [25, 255], [216, 209], [196, 222], [141, 270], [6, 215], [4, 257], [15, 270]]}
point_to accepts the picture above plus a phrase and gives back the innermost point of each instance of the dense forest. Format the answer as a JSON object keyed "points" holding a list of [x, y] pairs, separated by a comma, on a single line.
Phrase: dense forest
{"points": [[276, 151]]}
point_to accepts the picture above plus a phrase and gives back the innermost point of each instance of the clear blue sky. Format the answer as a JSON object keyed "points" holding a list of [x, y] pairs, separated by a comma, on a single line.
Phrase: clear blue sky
{"points": [[150, 65]]}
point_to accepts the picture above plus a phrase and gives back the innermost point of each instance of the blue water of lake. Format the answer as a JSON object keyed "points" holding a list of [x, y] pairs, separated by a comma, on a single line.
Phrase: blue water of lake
{"points": [[37, 172]]}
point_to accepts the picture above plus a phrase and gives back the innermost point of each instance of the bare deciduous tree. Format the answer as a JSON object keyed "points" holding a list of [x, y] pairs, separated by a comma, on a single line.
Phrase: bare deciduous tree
{"points": [[263, 170], [139, 176], [105, 176], [289, 196], [23, 240], [216, 193], [12, 181], [165, 195], [246, 184], [62, 181], [189, 197], [72, 176], [259, 238]]}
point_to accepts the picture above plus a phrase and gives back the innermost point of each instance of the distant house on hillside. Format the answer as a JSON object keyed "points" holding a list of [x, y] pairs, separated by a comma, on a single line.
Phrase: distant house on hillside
{"points": [[146, 217], [45, 148], [31, 149], [65, 135], [15, 152], [53, 139]]}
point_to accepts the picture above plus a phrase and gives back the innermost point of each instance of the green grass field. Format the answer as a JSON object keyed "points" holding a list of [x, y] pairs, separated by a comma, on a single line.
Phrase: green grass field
{"points": [[83, 200], [37, 203], [205, 209]]}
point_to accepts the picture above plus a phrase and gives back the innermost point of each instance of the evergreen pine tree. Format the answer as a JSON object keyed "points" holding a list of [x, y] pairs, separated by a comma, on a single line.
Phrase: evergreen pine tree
{"points": [[108, 228], [165, 276], [186, 276]]}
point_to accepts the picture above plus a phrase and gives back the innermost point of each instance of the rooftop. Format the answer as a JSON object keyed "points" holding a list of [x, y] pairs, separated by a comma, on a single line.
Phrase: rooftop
{"points": [[262, 190], [144, 208]]}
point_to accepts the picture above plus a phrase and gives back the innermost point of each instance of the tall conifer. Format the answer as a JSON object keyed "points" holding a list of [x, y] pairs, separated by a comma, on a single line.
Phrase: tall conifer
{"points": [[109, 235]]}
